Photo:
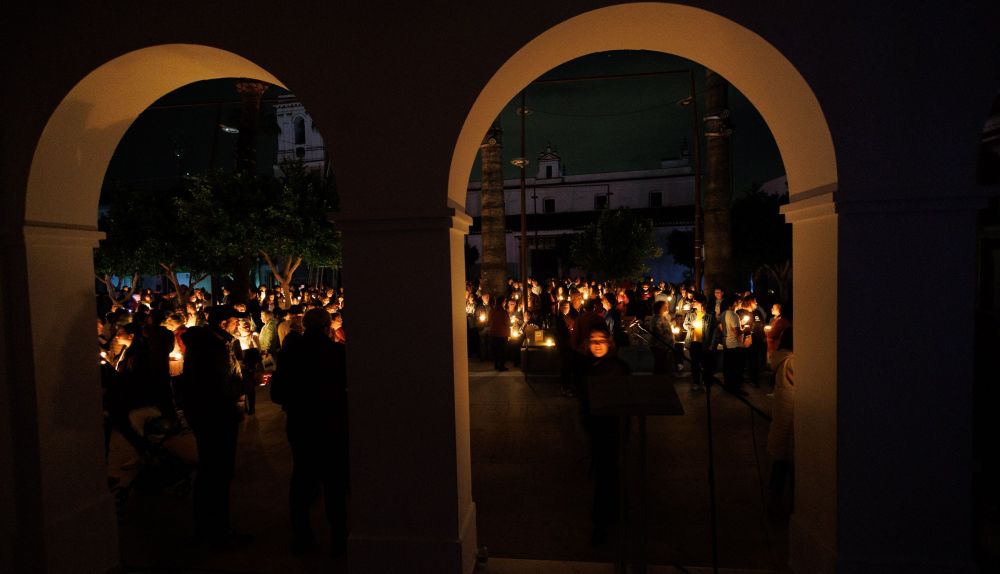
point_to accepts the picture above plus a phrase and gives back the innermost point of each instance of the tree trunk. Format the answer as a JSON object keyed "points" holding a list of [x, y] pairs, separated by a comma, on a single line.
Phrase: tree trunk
{"points": [[284, 276], [494, 233], [718, 191], [239, 292]]}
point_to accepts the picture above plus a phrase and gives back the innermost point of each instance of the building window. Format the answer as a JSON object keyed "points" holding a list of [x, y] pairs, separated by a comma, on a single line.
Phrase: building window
{"points": [[656, 199], [549, 205], [600, 202], [548, 172], [300, 131]]}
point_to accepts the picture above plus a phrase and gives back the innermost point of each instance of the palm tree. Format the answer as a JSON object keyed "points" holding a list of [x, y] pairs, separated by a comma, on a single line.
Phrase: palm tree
{"points": [[494, 257], [718, 191]]}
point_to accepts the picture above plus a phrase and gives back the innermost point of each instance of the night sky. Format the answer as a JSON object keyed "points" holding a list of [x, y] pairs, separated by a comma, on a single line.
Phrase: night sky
{"points": [[595, 125], [629, 123]]}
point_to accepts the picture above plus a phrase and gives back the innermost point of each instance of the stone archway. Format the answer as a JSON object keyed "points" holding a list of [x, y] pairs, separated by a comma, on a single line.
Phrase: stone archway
{"points": [[72, 522], [792, 112]]}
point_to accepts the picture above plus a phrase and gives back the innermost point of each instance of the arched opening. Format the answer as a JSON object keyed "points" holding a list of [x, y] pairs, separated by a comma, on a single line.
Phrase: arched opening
{"points": [[618, 123], [792, 112], [205, 202], [60, 231]]}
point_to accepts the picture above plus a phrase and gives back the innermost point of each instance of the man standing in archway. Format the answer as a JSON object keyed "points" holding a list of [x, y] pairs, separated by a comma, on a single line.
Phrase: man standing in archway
{"points": [[212, 386]]}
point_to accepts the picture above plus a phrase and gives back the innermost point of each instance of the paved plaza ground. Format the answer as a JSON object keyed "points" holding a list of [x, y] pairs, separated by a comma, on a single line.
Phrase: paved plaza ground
{"points": [[531, 485]]}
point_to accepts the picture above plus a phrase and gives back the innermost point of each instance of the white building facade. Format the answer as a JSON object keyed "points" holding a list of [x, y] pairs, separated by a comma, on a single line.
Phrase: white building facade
{"points": [[558, 206], [298, 138]]}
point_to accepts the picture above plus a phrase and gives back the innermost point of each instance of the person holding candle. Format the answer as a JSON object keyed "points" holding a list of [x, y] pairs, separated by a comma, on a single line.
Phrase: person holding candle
{"points": [[735, 324], [756, 352], [499, 330], [694, 327], [565, 324], [661, 342], [483, 327]]}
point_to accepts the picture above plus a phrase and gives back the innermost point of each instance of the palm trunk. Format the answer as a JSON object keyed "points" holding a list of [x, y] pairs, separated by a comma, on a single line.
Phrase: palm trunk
{"points": [[494, 233], [718, 191]]}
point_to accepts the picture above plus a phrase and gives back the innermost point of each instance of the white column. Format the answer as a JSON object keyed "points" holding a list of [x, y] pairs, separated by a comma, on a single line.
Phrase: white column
{"points": [[812, 532], [411, 480], [65, 516]]}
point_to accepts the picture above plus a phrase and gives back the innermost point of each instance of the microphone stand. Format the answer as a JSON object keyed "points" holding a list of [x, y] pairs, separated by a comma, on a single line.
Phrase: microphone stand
{"points": [[708, 380]]}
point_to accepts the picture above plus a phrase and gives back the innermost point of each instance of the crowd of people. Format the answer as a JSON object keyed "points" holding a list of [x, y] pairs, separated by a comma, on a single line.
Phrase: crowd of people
{"points": [[688, 334], [196, 365], [684, 329], [175, 363]]}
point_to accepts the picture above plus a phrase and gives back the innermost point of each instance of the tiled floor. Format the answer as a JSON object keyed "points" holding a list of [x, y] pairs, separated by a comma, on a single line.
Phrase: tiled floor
{"points": [[530, 483]]}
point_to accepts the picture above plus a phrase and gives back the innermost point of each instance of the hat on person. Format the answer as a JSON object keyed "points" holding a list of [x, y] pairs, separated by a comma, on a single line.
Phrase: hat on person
{"points": [[219, 313]]}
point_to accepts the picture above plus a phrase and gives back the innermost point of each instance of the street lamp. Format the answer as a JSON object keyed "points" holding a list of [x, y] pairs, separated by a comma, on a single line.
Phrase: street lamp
{"points": [[696, 165], [521, 163]]}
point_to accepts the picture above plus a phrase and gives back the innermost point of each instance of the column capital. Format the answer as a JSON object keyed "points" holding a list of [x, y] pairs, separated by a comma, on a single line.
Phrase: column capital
{"points": [[810, 204], [47, 233]]}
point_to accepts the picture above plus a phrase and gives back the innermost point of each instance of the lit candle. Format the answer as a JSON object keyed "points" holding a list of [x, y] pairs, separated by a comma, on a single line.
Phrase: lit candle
{"points": [[174, 355], [482, 317], [549, 342], [675, 329], [697, 324], [767, 327], [670, 297], [687, 306]]}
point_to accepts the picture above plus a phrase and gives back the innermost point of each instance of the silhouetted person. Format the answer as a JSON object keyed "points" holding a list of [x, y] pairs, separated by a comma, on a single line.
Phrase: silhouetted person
{"points": [[212, 383], [311, 386], [603, 431]]}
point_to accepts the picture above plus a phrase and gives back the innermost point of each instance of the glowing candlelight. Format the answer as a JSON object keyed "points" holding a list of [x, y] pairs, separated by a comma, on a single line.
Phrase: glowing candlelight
{"points": [[745, 319], [675, 329], [482, 317], [670, 297], [687, 306], [697, 324], [513, 319], [767, 327], [244, 344], [549, 342], [176, 356]]}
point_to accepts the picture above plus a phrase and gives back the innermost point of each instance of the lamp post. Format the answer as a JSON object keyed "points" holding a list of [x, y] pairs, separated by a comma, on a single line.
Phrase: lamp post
{"points": [[522, 162], [696, 166]]}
